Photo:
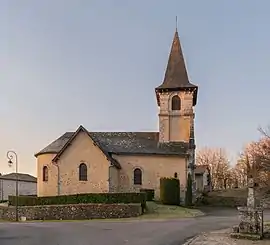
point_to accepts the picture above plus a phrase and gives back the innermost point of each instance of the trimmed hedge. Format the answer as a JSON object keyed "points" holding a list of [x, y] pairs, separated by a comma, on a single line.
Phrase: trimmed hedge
{"points": [[170, 191], [150, 194], [108, 198], [189, 195]]}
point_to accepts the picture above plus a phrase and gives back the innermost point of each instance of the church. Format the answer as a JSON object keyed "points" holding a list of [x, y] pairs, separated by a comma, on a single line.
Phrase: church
{"points": [[92, 162]]}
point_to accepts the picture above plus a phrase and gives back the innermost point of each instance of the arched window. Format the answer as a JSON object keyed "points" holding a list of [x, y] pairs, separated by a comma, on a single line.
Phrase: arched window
{"points": [[83, 172], [137, 176], [176, 103], [45, 173], [175, 175]]}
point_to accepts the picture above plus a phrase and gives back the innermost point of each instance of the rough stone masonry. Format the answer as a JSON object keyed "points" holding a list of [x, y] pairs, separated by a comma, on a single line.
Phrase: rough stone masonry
{"points": [[251, 216], [73, 211]]}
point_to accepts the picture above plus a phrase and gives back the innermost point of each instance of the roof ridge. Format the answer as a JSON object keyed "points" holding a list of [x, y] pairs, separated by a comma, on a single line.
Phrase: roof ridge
{"points": [[17, 173], [123, 132], [81, 128], [21, 176], [140, 142]]}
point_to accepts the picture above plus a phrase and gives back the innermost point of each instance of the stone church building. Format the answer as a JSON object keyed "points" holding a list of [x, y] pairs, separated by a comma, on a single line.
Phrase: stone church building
{"points": [[92, 162]]}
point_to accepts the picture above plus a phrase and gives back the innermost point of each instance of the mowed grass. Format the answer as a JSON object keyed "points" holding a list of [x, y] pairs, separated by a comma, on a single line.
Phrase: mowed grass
{"points": [[155, 210]]}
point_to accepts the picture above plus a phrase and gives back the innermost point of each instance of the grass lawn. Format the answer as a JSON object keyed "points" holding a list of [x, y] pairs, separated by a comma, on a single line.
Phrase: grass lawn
{"points": [[160, 211]]}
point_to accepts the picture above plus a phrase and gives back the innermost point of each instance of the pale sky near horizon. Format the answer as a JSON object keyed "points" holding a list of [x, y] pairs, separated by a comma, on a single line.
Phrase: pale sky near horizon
{"points": [[69, 62]]}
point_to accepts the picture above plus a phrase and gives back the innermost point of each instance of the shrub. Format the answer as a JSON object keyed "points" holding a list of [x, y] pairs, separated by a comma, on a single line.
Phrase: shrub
{"points": [[170, 191], [108, 198], [150, 194], [188, 199]]}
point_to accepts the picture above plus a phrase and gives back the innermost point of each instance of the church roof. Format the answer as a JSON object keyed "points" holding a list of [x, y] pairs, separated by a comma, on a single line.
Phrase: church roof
{"points": [[132, 143], [200, 169], [176, 76]]}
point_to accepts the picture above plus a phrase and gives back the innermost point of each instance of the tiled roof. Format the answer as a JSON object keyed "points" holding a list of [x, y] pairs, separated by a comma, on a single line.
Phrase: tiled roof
{"points": [[21, 177], [176, 75], [124, 143], [57, 145], [200, 169], [137, 143]]}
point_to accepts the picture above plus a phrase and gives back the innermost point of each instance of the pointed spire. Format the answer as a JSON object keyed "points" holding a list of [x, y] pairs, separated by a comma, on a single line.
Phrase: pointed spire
{"points": [[176, 76]]}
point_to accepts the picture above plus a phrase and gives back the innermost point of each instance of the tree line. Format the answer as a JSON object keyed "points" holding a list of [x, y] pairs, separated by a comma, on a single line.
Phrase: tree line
{"points": [[253, 161]]}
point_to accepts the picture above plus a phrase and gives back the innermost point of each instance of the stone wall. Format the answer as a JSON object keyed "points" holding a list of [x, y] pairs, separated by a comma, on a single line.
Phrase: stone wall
{"points": [[265, 202], [153, 168], [218, 201], [73, 212], [175, 125], [83, 150]]}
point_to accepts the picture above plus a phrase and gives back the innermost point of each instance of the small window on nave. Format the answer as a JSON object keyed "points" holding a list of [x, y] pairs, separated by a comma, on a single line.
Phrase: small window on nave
{"points": [[82, 172]]}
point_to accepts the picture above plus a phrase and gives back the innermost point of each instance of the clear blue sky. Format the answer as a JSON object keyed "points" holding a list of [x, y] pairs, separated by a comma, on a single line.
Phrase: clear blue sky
{"points": [[69, 62]]}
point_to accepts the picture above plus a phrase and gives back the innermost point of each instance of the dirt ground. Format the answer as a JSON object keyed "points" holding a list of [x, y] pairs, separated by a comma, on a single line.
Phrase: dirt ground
{"points": [[222, 237]]}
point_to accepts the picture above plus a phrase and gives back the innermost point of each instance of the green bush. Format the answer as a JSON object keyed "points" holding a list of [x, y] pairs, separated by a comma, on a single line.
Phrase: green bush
{"points": [[189, 196], [170, 191], [108, 198], [150, 194]]}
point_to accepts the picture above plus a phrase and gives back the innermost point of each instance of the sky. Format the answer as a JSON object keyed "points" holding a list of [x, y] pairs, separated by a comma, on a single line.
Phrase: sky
{"points": [[65, 63]]}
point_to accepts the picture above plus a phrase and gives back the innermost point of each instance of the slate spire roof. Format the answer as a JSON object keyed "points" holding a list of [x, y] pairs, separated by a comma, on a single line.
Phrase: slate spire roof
{"points": [[139, 143], [176, 76]]}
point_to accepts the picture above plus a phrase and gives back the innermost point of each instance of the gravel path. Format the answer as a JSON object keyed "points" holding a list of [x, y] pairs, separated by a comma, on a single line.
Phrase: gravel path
{"points": [[222, 237]]}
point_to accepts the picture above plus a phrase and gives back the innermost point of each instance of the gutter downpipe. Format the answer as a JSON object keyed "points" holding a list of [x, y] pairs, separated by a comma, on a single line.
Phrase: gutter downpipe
{"points": [[58, 178]]}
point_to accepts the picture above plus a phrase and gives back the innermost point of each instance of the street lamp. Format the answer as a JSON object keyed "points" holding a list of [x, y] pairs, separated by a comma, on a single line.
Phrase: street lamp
{"points": [[13, 155]]}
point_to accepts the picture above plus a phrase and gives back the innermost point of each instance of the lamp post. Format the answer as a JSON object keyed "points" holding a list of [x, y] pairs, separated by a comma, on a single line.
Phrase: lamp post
{"points": [[12, 157]]}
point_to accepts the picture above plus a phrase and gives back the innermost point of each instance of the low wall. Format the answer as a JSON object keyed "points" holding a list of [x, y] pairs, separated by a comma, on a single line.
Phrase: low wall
{"points": [[218, 201], [233, 202], [72, 212]]}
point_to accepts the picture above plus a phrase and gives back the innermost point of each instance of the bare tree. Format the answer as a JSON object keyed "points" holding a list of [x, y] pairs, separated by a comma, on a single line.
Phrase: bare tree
{"points": [[218, 163], [264, 149], [256, 158], [240, 173]]}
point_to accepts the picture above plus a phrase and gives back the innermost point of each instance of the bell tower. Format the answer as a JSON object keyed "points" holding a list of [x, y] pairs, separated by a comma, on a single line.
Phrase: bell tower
{"points": [[176, 98]]}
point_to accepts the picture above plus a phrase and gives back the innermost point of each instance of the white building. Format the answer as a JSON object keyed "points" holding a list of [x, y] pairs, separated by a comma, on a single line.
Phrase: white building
{"points": [[27, 185], [202, 174]]}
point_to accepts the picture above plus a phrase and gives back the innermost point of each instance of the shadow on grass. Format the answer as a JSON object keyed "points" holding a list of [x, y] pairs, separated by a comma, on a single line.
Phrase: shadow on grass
{"points": [[157, 210]]}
